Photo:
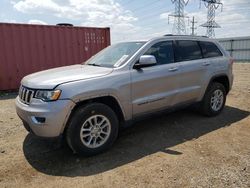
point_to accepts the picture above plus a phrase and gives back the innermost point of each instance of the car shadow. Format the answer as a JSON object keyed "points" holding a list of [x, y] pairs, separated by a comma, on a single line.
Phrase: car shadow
{"points": [[156, 134], [7, 96]]}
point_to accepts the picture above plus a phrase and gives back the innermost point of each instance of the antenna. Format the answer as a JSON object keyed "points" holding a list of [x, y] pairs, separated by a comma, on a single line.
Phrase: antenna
{"points": [[179, 27], [211, 5]]}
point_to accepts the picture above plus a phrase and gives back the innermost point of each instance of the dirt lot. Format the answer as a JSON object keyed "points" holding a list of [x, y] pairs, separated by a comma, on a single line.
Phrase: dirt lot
{"points": [[180, 149]]}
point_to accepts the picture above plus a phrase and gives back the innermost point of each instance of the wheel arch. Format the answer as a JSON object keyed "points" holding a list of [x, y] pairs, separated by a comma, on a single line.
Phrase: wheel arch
{"points": [[108, 100], [223, 79]]}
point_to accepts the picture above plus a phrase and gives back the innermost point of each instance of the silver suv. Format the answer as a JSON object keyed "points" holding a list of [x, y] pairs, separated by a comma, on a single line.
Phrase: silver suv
{"points": [[88, 103]]}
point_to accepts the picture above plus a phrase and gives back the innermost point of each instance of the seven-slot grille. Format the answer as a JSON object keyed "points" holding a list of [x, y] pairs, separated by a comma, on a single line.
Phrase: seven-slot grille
{"points": [[26, 94]]}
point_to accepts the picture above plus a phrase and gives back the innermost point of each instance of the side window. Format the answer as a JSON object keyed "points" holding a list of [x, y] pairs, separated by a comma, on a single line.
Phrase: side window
{"points": [[186, 50], [163, 52], [209, 49]]}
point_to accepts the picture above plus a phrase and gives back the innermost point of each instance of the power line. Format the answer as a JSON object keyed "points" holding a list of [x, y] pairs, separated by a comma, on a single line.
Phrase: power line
{"points": [[145, 5], [179, 17], [151, 16], [145, 9], [153, 24], [211, 5], [148, 9]]}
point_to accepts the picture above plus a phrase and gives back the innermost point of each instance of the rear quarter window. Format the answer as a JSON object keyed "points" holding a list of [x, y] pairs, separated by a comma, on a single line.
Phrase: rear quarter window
{"points": [[209, 49], [186, 50]]}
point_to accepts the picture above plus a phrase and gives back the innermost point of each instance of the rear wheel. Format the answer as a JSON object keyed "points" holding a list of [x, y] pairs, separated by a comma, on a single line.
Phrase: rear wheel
{"points": [[214, 99], [92, 129]]}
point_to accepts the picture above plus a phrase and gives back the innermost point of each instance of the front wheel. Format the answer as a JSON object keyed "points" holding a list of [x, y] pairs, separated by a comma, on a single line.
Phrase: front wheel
{"points": [[92, 129], [214, 99]]}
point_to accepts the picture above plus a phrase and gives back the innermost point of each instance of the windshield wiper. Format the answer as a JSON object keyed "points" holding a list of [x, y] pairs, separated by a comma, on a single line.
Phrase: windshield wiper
{"points": [[93, 64]]}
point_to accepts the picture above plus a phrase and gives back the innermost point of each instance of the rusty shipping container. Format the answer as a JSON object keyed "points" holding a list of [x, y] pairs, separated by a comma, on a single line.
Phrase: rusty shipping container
{"points": [[26, 48]]}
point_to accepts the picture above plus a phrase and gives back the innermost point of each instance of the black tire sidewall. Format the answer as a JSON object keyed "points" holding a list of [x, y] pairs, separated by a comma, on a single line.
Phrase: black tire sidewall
{"points": [[75, 125], [207, 109]]}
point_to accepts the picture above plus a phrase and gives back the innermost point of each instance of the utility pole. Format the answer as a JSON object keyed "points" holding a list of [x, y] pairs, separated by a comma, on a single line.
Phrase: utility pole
{"points": [[211, 5], [179, 27], [193, 28]]}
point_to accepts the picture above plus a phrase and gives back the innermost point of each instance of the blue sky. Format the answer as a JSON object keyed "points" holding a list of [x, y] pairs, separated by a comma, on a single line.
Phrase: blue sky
{"points": [[128, 19]]}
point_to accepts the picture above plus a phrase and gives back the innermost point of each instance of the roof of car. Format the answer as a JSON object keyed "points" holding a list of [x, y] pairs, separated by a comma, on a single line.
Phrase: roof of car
{"points": [[181, 37], [176, 37], [167, 35]]}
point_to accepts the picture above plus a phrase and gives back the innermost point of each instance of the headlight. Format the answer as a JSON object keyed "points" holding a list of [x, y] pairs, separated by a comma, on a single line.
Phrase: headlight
{"points": [[47, 95]]}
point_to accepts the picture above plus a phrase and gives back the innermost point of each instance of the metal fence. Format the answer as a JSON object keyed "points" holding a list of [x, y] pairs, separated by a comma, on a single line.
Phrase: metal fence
{"points": [[238, 47]]}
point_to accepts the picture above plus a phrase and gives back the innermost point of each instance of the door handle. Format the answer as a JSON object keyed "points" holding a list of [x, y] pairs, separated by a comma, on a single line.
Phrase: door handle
{"points": [[206, 63], [172, 69]]}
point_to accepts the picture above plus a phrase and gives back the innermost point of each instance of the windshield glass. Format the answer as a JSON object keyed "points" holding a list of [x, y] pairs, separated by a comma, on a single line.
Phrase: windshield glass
{"points": [[115, 55]]}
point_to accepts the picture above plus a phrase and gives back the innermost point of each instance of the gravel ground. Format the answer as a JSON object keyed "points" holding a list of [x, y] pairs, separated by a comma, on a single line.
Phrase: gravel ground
{"points": [[180, 149]]}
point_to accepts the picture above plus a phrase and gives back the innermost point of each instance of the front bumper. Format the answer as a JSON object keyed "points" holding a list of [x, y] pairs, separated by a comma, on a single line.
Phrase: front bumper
{"points": [[54, 113]]}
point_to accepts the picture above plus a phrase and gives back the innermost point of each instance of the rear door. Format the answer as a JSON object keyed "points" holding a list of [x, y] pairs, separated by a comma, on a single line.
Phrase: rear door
{"points": [[213, 56], [193, 69], [157, 86], [214, 61]]}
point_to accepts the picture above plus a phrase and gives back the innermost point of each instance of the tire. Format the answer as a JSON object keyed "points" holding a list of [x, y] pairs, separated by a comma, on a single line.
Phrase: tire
{"points": [[87, 120], [209, 108]]}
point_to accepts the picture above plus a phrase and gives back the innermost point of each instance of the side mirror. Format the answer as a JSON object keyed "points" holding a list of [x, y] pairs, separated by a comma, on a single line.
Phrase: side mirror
{"points": [[145, 61]]}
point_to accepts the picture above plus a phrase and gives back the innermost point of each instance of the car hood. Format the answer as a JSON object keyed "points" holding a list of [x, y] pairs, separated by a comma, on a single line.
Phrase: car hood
{"points": [[49, 79]]}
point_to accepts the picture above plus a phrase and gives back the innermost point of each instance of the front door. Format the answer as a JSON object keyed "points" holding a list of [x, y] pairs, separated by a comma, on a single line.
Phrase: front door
{"points": [[156, 87]]}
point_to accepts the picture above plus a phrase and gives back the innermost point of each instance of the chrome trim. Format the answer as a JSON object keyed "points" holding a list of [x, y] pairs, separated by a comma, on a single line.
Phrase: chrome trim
{"points": [[26, 94]]}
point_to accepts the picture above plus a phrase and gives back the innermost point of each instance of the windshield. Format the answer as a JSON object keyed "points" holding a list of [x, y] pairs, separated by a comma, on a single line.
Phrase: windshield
{"points": [[115, 55]]}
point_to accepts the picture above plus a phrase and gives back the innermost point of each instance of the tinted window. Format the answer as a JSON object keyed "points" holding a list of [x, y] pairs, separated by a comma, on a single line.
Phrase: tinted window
{"points": [[209, 49], [186, 50], [163, 52]]}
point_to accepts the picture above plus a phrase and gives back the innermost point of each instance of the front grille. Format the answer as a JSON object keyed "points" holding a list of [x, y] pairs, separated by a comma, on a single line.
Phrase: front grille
{"points": [[26, 94]]}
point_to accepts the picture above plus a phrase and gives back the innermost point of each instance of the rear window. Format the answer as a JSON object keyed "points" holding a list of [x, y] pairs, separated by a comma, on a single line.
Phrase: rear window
{"points": [[209, 49], [186, 50]]}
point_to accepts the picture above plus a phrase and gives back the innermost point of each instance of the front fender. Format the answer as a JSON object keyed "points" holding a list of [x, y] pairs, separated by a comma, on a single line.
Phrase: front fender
{"points": [[85, 90]]}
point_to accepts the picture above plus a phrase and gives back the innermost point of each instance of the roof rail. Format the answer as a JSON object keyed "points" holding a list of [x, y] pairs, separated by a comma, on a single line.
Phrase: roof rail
{"points": [[167, 35]]}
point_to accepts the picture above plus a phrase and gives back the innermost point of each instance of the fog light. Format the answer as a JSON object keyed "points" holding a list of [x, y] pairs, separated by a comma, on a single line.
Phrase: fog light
{"points": [[38, 120]]}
